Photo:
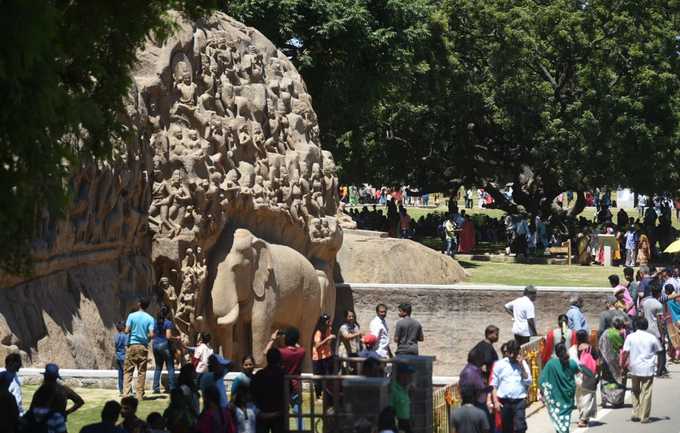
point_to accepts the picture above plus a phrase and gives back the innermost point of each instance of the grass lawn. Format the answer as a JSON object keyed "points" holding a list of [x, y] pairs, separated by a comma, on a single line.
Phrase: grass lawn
{"points": [[540, 275], [94, 402]]}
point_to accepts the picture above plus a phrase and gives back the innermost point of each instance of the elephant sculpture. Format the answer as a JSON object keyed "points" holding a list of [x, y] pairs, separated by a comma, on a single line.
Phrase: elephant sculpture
{"points": [[260, 287]]}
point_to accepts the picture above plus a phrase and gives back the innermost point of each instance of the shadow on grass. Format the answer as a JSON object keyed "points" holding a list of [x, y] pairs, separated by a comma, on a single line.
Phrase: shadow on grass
{"points": [[468, 265]]}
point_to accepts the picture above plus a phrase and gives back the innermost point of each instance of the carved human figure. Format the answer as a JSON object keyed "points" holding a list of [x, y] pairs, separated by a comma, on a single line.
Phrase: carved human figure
{"points": [[186, 88]]}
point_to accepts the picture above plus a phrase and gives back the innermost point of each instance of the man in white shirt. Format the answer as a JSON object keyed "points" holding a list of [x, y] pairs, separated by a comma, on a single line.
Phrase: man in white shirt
{"points": [[510, 380], [12, 366], [523, 315], [639, 355], [378, 327]]}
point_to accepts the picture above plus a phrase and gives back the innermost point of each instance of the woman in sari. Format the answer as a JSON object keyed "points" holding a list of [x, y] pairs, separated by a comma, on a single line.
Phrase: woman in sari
{"points": [[558, 387], [586, 385], [561, 334], [644, 251], [467, 236], [613, 380]]}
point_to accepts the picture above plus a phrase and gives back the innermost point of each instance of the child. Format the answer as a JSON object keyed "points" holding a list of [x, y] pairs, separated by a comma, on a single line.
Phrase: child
{"points": [[201, 355], [120, 342], [468, 418], [245, 412]]}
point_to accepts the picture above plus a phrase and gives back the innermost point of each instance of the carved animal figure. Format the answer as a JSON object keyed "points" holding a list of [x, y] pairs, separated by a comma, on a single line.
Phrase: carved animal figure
{"points": [[263, 287]]}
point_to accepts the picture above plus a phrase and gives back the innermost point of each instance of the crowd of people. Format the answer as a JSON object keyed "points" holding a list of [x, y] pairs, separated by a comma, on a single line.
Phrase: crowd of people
{"points": [[199, 401], [636, 331], [635, 335]]}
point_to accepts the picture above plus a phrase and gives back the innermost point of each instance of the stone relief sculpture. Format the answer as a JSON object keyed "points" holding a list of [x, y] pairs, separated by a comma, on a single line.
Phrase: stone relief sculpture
{"points": [[262, 287], [224, 138]]}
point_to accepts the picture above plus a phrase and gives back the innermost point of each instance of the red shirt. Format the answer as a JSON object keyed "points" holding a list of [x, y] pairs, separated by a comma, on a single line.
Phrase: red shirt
{"points": [[291, 362]]}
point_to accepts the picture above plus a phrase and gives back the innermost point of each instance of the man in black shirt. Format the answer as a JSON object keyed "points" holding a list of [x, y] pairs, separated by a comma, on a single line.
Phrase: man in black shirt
{"points": [[267, 388], [486, 351]]}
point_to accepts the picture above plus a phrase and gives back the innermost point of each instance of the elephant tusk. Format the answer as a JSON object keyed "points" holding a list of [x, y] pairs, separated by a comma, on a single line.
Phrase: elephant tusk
{"points": [[230, 318]]}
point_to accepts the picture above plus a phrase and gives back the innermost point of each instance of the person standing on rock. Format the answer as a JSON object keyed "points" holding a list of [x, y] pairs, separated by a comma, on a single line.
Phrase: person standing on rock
{"points": [[378, 327], [139, 326], [523, 315], [408, 332]]}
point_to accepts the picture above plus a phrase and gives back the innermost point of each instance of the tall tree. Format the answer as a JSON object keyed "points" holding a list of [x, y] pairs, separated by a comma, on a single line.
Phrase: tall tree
{"points": [[64, 72]]}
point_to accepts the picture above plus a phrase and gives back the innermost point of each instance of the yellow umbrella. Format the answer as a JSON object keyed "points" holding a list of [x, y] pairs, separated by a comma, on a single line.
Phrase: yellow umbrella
{"points": [[673, 247]]}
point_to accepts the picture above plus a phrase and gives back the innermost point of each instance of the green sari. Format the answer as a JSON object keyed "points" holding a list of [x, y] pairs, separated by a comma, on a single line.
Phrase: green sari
{"points": [[558, 388]]}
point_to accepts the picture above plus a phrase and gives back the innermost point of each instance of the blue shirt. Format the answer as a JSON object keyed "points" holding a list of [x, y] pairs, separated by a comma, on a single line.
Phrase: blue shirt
{"points": [[120, 341], [140, 324], [576, 319], [208, 379], [159, 331], [507, 379]]}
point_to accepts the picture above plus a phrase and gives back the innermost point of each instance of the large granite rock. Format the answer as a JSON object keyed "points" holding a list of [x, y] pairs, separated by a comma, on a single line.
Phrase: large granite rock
{"points": [[370, 258], [223, 136]]}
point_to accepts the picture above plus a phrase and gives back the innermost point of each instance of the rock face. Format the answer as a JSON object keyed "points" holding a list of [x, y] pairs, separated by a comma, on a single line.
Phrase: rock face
{"points": [[224, 138], [367, 258]]}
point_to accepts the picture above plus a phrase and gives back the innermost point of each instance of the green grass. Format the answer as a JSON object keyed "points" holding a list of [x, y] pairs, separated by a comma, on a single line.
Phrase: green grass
{"points": [[539, 274], [94, 402]]}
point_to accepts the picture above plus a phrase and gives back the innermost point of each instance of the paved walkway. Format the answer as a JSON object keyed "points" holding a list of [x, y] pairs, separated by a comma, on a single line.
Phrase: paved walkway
{"points": [[665, 415]]}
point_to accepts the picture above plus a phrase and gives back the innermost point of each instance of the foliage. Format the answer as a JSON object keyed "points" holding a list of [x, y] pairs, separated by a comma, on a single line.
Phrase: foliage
{"points": [[360, 61], [64, 72], [549, 94]]}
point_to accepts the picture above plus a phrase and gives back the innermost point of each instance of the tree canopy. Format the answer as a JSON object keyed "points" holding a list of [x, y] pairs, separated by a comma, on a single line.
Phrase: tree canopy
{"points": [[64, 73], [551, 95]]}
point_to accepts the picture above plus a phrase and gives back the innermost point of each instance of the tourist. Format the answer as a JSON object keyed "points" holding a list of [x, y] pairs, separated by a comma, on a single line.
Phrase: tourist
{"points": [[469, 418], [350, 340], [561, 334], [128, 410], [486, 350], [218, 367], [187, 384], [576, 319], [652, 309], [63, 393], [267, 388], [523, 315], [292, 357], [472, 377], [201, 354], [41, 415], [408, 332], [110, 414], [639, 354], [245, 412], [9, 412], [586, 381], [120, 342], [450, 236], [162, 350], [510, 380], [245, 376], [370, 343], [215, 418], [613, 376], [631, 246], [467, 236], [11, 371], [645, 279], [322, 352], [558, 388], [378, 327], [644, 253], [139, 326], [608, 315], [180, 415], [399, 396]]}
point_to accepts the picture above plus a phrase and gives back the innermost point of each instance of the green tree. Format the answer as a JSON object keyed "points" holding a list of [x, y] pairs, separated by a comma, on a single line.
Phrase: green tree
{"points": [[64, 72]]}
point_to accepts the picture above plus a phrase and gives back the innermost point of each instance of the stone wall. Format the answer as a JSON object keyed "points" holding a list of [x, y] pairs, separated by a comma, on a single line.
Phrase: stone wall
{"points": [[454, 319]]}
